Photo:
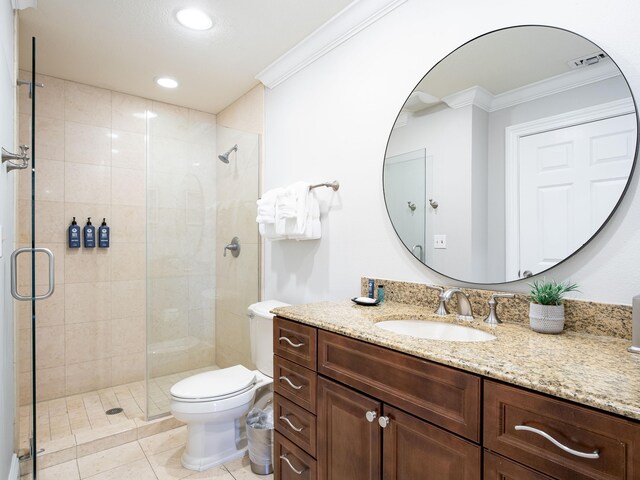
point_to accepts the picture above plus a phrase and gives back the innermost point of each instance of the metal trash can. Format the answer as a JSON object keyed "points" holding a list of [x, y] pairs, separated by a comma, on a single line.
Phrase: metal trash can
{"points": [[260, 436]]}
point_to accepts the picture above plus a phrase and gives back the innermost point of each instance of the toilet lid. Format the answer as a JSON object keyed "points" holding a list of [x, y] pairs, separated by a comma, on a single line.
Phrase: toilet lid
{"points": [[263, 309], [214, 384]]}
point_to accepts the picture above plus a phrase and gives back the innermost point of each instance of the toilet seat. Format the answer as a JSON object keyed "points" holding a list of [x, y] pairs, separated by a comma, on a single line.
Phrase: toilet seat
{"points": [[214, 385]]}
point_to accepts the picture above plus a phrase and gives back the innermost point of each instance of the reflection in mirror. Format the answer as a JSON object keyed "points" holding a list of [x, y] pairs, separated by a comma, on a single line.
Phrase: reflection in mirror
{"points": [[510, 154]]}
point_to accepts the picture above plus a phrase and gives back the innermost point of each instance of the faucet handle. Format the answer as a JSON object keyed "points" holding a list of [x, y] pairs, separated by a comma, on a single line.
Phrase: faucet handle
{"points": [[492, 318], [442, 307]]}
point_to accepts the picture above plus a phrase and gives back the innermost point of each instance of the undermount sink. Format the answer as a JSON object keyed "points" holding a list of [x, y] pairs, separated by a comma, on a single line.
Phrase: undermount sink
{"points": [[435, 330]]}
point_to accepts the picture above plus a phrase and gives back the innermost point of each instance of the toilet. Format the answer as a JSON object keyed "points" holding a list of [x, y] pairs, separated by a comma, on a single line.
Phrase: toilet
{"points": [[213, 404]]}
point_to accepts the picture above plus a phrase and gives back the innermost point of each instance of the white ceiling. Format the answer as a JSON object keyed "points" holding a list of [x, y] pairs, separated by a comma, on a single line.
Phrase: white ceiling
{"points": [[123, 44], [507, 59]]}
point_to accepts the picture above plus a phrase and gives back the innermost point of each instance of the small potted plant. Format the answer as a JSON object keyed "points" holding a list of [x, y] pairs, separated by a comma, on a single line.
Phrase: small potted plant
{"points": [[546, 311]]}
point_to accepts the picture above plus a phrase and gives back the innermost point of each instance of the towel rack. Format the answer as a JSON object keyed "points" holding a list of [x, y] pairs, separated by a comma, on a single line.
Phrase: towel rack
{"points": [[335, 185]]}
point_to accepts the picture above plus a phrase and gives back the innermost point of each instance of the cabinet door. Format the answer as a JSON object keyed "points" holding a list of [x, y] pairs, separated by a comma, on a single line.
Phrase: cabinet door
{"points": [[348, 444], [416, 450]]}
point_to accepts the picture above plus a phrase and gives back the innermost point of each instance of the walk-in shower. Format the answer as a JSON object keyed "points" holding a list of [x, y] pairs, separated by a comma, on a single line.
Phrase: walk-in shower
{"points": [[162, 302]]}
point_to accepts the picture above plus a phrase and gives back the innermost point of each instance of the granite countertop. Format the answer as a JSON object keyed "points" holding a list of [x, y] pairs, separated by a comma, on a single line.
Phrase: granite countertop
{"points": [[587, 369]]}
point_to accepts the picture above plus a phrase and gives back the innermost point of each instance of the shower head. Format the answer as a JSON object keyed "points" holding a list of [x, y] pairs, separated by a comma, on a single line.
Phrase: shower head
{"points": [[225, 156]]}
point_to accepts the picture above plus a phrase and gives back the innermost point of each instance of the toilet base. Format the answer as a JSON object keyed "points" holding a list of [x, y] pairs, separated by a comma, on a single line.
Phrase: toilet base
{"points": [[200, 464], [217, 441]]}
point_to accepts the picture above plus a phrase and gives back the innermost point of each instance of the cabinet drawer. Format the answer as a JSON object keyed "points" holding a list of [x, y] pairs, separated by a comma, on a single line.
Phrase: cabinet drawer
{"points": [[507, 409], [499, 468], [295, 383], [290, 462], [296, 424], [441, 395], [295, 342]]}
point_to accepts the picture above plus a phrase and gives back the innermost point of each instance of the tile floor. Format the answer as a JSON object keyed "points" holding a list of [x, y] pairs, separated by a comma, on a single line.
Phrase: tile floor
{"points": [[156, 457], [83, 412]]}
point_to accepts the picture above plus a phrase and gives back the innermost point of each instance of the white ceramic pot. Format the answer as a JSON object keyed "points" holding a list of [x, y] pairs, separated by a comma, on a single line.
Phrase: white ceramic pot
{"points": [[546, 318]]}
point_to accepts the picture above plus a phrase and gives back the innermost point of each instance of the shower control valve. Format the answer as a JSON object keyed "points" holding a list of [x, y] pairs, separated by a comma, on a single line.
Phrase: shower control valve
{"points": [[234, 247]]}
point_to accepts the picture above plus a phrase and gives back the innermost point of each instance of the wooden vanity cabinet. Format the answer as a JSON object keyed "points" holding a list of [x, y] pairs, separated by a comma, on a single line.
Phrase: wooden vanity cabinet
{"points": [[331, 392], [341, 404]]}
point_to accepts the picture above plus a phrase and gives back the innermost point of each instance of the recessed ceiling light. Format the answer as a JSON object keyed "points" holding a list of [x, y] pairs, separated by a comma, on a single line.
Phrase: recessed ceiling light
{"points": [[194, 19], [166, 82]]}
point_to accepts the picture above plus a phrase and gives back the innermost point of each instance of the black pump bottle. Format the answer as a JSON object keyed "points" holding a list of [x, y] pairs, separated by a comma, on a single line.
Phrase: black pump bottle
{"points": [[89, 233]]}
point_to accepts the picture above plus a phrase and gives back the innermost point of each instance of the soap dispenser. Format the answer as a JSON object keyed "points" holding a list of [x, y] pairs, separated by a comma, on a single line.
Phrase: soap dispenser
{"points": [[74, 234], [89, 233], [103, 234]]}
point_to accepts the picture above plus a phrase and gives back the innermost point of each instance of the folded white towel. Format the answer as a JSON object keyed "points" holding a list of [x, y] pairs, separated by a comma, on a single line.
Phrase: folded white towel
{"points": [[268, 230], [267, 206], [313, 228], [289, 213], [302, 194]]}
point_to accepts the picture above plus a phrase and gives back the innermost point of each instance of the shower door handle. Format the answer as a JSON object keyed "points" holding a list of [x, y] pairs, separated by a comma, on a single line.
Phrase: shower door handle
{"points": [[14, 274]]}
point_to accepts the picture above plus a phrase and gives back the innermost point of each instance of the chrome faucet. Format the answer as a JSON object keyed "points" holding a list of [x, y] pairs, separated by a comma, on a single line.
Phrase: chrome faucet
{"points": [[465, 311]]}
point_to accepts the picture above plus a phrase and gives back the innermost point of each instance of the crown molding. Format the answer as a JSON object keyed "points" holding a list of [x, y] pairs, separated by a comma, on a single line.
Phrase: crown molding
{"points": [[559, 83], [337, 30], [477, 96], [480, 97]]}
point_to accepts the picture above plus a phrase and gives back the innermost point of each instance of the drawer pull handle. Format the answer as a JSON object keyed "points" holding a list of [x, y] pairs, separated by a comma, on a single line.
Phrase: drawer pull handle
{"points": [[299, 472], [384, 421], [294, 345], [370, 416], [593, 455], [291, 384], [285, 419]]}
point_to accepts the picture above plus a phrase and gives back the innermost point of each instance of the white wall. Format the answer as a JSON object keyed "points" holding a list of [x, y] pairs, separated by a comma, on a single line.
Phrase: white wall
{"points": [[7, 121], [447, 136], [332, 120]]}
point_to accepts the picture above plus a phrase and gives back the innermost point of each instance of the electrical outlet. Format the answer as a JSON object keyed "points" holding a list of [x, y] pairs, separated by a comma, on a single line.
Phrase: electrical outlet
{"points": [[439, 241]]}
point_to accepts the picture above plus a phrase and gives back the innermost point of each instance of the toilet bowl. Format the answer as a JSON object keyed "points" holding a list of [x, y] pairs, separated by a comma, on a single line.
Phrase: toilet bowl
{"points": [[214, 404]]}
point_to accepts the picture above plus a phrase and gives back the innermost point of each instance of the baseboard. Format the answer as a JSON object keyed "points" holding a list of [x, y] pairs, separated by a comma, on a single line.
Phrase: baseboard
{"points": [[14, 471]]}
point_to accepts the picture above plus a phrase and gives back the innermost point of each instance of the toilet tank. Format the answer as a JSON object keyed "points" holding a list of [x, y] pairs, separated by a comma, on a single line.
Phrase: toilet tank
{"points": [[261, 332]]}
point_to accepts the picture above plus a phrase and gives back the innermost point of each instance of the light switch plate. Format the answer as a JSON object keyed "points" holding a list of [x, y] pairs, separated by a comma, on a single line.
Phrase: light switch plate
{"points": [[439, 241]]}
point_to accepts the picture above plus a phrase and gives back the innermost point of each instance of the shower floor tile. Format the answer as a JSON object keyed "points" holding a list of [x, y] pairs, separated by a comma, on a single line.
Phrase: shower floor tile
{"points": [[84, 413]]}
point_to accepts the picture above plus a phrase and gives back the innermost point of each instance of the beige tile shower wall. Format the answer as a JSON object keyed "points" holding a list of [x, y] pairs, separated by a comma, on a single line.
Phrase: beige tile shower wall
{"points": [[238, 279], [91, 160]]}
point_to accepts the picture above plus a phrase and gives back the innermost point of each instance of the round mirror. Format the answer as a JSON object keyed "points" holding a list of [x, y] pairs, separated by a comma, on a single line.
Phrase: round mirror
{"points": [[510, 154]]}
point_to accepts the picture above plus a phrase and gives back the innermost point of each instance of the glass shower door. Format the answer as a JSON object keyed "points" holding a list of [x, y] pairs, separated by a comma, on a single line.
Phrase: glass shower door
{"points": [[29, 265]]}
